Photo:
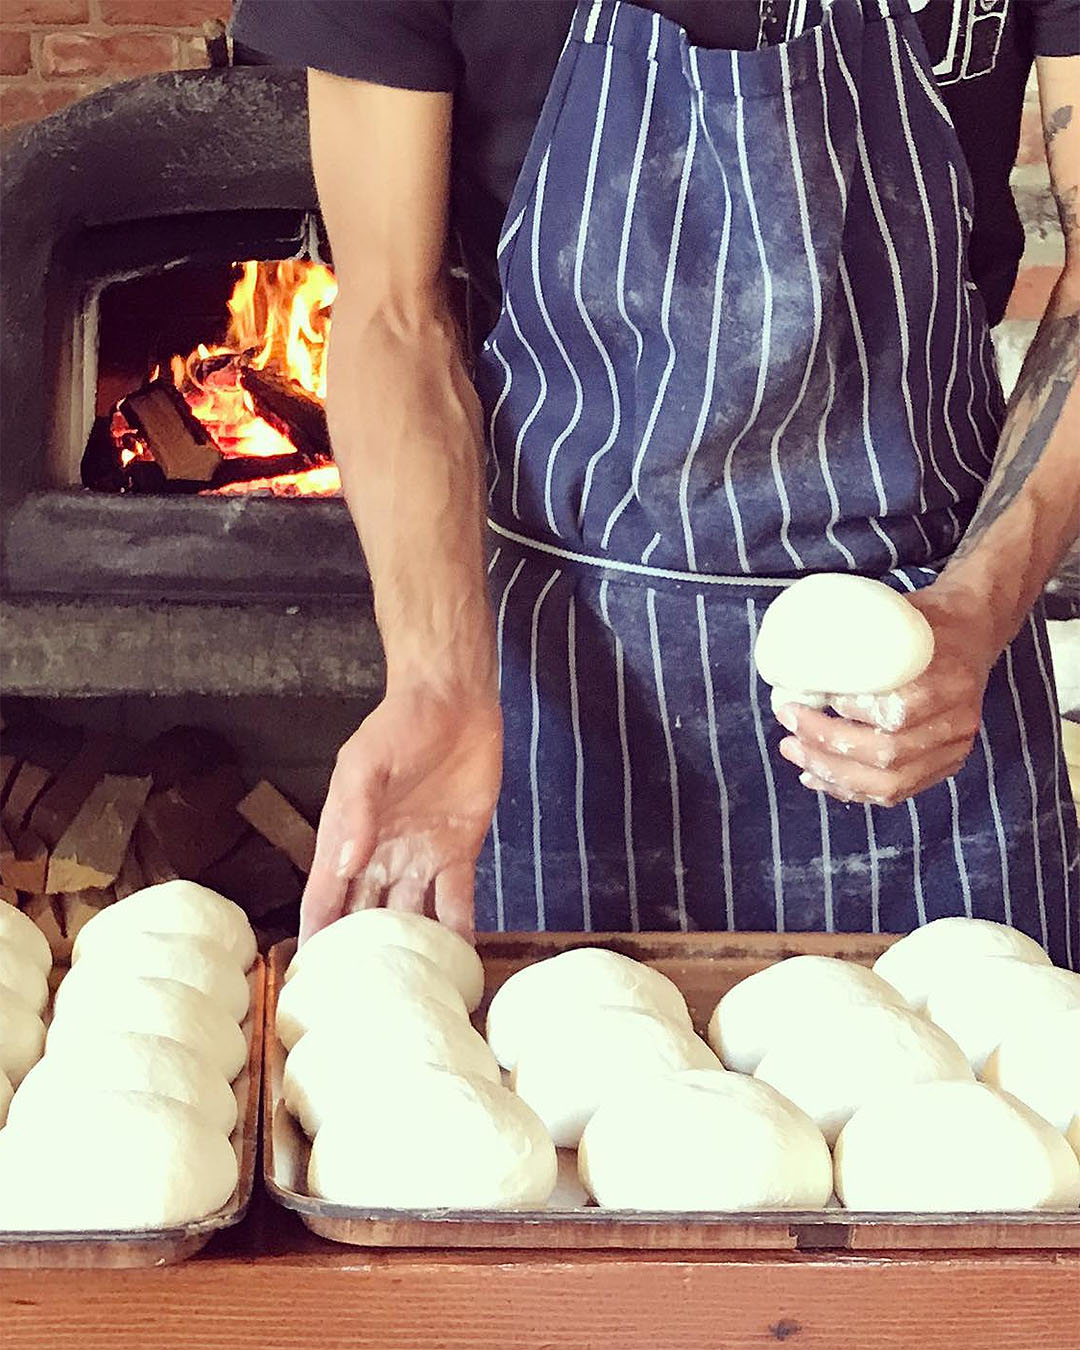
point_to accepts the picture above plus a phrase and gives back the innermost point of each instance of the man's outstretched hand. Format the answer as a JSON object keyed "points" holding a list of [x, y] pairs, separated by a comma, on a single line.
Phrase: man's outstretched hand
{"points": [[410, 801]]}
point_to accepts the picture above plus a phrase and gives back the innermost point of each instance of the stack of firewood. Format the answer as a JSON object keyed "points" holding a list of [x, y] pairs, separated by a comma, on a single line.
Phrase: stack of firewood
{"points": [[87, 818]]}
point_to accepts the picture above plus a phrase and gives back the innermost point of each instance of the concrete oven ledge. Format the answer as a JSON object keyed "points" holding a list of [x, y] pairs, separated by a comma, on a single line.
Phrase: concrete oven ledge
{"points": [[85, 648]]}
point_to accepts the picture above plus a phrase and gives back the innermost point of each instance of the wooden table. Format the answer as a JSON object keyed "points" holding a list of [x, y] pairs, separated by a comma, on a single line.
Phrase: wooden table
{"points": [[270, 1285]]}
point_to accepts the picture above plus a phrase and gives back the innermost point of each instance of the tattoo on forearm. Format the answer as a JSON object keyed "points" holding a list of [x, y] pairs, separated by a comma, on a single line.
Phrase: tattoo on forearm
{"points": [[1068, 210], [1058, 120], [1045, 381]]}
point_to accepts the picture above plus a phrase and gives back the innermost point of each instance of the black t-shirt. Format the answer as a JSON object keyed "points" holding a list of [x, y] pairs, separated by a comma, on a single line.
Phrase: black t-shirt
{"points": [[497, 56]]}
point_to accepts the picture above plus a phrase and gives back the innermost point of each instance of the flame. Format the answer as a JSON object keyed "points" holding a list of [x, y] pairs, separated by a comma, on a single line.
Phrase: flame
{"points": [[279, 318]]}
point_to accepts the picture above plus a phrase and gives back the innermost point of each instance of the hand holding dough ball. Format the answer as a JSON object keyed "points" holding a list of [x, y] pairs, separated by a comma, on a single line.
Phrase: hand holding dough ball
{"points": [[172, 907], [926, 956], [566, 1068], [1039, 1064], [953, 1148], [333, 950], [130, 1160], [156, 1006], [833, 633], [199, 962], [123, 1062], [831, 1070], [20, 973], [382, 977], [332, 1066], [981, 1001], [577, 979], [703, 1140], [22, 1036], [20, 930], [438, 1140], [6, 1091], [800, 992]]}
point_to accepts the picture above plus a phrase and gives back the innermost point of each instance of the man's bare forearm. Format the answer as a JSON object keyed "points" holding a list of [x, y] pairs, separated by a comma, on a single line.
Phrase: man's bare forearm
{"points": [[405, 425]]}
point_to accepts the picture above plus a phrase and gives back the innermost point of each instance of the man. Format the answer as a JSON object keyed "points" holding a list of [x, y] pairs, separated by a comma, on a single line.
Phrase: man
{"points": [[747, 260]]}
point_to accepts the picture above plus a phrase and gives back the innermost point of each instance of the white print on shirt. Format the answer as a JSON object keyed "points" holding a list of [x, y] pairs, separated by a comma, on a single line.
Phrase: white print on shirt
{"points": [[971, 48]]}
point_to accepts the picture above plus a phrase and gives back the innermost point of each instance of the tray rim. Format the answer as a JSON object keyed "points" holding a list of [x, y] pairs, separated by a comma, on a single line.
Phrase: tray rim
{"points": [[819, 1229], [164, 1246]]}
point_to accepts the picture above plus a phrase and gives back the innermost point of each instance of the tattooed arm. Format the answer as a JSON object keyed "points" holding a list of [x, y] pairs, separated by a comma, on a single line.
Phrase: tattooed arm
{"points": [[1028, 518], [1029, 515]]}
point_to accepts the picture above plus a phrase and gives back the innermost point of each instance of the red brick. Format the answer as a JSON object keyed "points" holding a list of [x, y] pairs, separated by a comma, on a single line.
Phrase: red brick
{"points": [[1032, 150], [14, 53], [28, 103], [1031, 292], [45, 11], [112, 54], [164, 13]]}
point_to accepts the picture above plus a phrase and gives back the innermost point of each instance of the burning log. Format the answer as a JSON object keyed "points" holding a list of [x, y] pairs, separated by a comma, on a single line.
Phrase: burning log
{"points": [[291, 410], [175, 437]]}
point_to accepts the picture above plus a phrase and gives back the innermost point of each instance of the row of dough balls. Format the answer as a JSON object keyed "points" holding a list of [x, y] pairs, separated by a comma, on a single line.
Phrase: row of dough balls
{"points": [[144, 1042], [25, 964], [400, 1095], [617, 1071]]}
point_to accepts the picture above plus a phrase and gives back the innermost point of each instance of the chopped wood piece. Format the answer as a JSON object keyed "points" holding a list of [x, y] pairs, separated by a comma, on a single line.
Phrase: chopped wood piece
{"points": [[153, 861], [58, 805], [291, 410], [92, 849], [130, 878], [185, 752], [257, 876], [277, 820], [26, 865], [7, 772], [253, 468], [75, 909], [9, 895], [195, 823], [28, 785], [40, 908], [175, 437]]}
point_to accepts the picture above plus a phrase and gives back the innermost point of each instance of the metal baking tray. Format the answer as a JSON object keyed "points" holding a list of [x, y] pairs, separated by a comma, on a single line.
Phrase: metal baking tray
{"points": [[704, 966], [165, 1246]]}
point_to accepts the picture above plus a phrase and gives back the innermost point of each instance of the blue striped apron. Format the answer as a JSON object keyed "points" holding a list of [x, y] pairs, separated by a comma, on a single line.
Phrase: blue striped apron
{"points": [[739, 342]]}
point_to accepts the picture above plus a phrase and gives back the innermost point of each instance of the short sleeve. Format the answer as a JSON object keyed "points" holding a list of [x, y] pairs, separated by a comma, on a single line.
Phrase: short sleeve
{"points": [[1055, 27], [404, 43]]}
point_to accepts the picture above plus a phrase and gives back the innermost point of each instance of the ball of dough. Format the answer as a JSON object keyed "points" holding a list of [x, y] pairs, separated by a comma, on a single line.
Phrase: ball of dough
{"points": [[1072, 1135], [333, 1066], [334, 949], [832, 1069], [566, 1068], [173, 907], [127, 1061], [840, 634], [435, 1140], [160, 1007], [1039, 1064], [980, 1001], [801, 991], [382, 977], [18, 928], [131, 1160], [576, 979], [702, 1140], [921, 958], [199, 962], [6, 1091], [953, 1148], [22, 1036], [23, 976]]}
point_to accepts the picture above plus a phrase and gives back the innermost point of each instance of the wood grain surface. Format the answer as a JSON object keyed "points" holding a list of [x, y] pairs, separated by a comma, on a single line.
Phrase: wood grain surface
{"points": [[270, 1285]]}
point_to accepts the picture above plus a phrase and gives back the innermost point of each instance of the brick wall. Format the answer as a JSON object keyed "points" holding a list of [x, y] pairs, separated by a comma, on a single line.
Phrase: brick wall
{"points": [[53, 52]]}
